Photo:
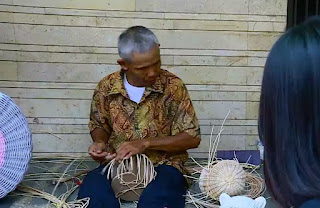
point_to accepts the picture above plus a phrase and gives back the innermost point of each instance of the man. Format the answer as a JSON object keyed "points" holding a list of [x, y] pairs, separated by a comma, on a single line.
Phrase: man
{"points": [[141, 109]]}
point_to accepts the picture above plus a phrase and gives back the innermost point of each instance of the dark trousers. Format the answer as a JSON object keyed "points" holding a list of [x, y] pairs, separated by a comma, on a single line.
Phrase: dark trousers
{"points": [[167, 190]]}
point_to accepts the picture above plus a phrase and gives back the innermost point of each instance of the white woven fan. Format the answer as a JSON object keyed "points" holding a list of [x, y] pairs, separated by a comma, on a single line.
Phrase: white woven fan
{"points": [[15, 145]]}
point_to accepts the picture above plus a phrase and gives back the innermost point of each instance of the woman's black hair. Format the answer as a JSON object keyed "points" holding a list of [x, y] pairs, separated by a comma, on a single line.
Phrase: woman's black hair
{"points": [[289, 115]]}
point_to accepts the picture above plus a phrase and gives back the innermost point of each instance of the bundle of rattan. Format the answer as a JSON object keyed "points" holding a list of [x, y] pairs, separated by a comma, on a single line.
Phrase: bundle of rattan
{"points": [[61, 172], [57, 202]]}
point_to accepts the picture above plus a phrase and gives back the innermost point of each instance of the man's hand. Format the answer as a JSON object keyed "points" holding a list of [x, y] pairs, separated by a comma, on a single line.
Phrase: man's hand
{"points": [[98, 152], [128, 149]]}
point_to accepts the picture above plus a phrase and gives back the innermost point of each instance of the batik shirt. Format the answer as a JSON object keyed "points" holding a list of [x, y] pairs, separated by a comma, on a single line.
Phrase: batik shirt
{"points": [[165, 109]]}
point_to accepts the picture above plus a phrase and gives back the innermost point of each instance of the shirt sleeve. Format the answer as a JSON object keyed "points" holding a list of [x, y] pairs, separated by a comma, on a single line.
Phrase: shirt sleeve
{"points": [[98, 112], [185, 119]]}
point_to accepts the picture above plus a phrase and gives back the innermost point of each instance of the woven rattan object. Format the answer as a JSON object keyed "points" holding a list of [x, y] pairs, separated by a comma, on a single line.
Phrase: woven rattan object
{"points": [[15, 145], [226, 176], [130, 177], [223, 176]]}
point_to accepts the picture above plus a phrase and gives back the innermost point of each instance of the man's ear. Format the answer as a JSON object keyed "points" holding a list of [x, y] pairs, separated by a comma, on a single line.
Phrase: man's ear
{"points": [[123, 64]]}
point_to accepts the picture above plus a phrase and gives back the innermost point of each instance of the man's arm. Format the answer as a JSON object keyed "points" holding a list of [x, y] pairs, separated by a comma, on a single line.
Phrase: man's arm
{"points": [[99, 135], [99, 131], [178, 143]]}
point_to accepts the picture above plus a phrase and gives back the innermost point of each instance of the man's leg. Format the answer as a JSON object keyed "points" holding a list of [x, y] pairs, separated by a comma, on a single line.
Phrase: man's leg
{"points": [[167, 190], [98, 188]]}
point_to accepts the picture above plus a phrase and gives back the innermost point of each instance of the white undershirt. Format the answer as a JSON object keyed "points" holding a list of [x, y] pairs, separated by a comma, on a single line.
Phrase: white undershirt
{"points": [[135, 93]]}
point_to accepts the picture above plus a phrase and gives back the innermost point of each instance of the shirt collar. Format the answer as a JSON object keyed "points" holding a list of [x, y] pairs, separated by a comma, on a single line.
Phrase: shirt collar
{"points": [[118, 84]]}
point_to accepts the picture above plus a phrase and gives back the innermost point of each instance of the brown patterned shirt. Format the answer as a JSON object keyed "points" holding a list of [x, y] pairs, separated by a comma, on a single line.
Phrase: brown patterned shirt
{"points": [[165, 109]]}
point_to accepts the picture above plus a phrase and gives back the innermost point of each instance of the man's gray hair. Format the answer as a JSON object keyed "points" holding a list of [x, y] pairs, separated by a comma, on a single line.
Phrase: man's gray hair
{"points": [[136, 39]]}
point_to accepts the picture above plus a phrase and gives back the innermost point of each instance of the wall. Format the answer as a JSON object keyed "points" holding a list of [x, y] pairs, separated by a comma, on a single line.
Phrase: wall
{"points": [[52, 54]]}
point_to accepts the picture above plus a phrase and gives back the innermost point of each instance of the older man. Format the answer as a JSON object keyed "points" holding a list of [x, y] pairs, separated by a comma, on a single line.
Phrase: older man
{"points": [[141, 109]]}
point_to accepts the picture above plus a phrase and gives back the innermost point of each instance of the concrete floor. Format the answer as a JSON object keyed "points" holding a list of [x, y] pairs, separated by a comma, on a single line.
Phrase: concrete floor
{"points": [[28, 202]]}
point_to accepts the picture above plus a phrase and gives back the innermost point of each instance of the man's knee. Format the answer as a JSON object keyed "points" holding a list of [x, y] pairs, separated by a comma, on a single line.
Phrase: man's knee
{"points": [[96, 186], [171, 177], [167, 190], [95, 179], [165, 199]]}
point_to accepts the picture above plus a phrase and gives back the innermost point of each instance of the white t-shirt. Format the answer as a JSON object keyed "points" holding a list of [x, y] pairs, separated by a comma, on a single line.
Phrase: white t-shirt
{"points": [[135, 93]]}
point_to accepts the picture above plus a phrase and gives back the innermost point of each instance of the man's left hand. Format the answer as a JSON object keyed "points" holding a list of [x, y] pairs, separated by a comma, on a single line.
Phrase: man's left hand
{"points": [[128, 149]]}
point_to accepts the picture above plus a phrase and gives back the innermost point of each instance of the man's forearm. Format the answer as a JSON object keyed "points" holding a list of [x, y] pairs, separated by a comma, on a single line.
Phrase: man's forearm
{"points": [[99, 135], [177, 143]]}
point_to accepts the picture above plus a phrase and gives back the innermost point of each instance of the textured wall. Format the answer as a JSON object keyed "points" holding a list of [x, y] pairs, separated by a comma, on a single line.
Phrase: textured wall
{"points": [[53, 53]]}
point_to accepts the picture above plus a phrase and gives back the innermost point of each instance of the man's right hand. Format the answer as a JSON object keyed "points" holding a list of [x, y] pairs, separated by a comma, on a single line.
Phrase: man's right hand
{"points": [[98, 152]]}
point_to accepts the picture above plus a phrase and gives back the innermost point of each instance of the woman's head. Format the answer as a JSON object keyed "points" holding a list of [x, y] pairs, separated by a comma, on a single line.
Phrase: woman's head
{"points": [[289, 118]]}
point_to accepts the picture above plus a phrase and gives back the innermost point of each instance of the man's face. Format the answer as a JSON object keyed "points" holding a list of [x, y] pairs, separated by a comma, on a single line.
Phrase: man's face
{"points": [[144, 68]]}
